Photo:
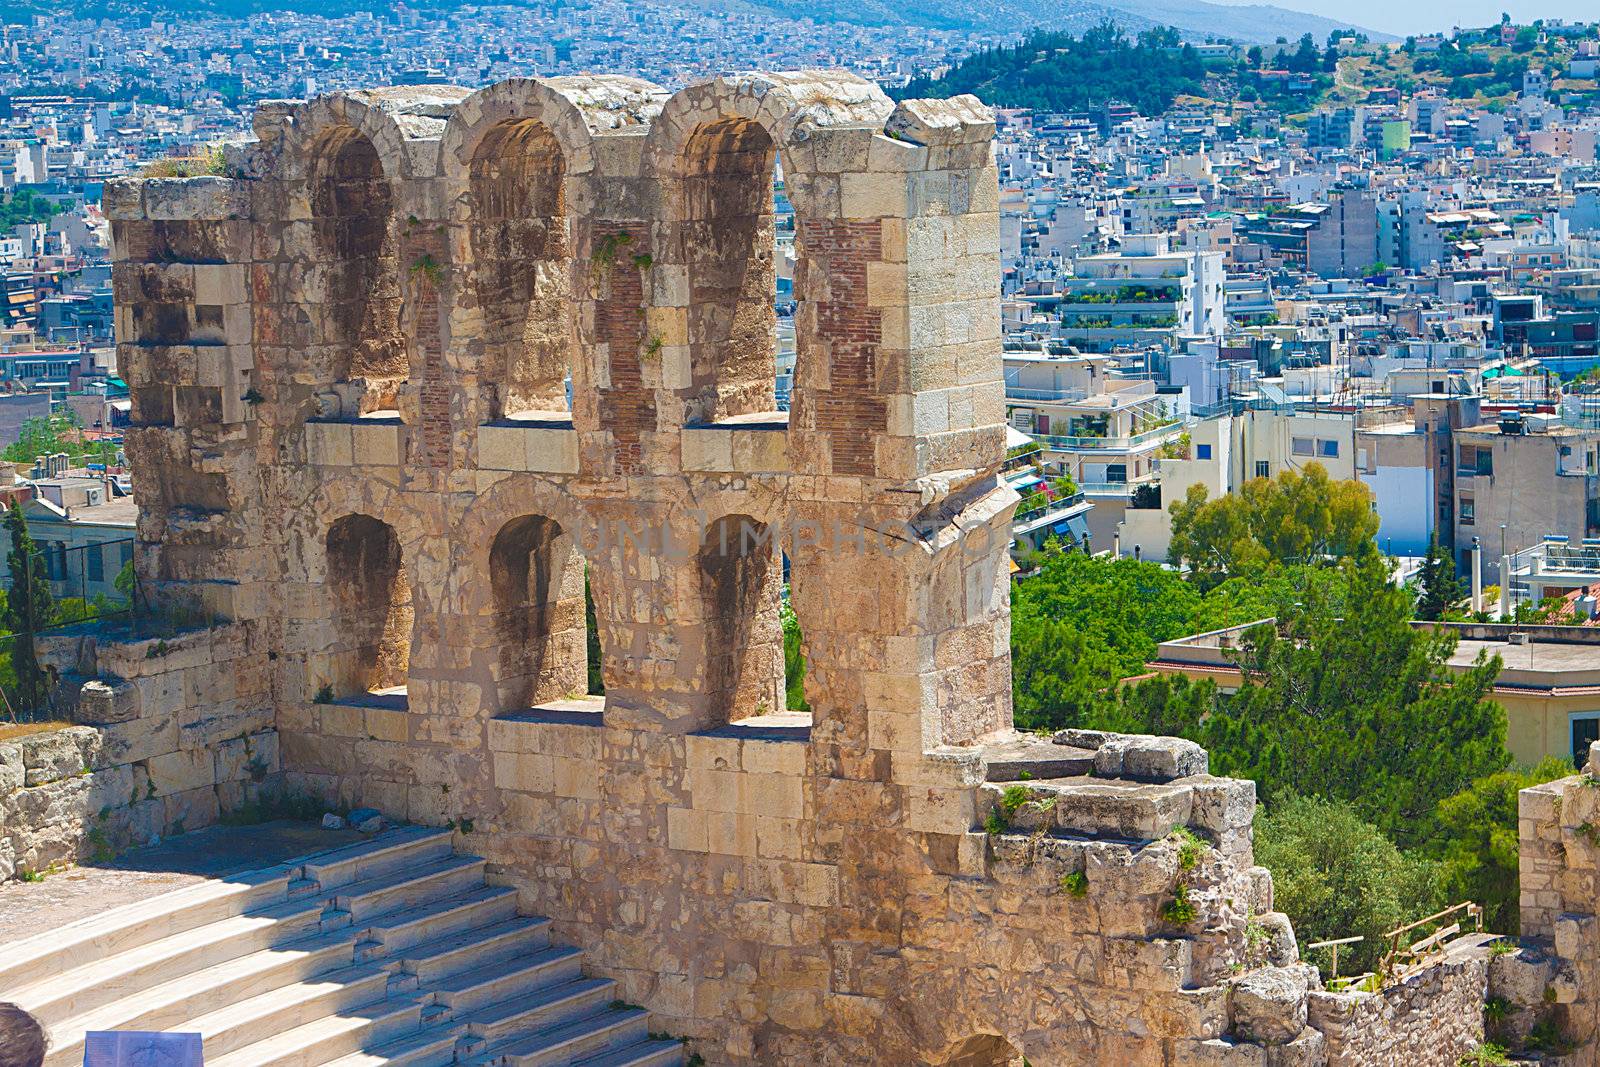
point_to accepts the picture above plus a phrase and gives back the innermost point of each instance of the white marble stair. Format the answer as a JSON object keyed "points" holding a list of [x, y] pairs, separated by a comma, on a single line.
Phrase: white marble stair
{"points": [[393, 951]]}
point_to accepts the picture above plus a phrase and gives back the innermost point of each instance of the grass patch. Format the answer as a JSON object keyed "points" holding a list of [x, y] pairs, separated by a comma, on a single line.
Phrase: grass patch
{"points": [[11, 731]]}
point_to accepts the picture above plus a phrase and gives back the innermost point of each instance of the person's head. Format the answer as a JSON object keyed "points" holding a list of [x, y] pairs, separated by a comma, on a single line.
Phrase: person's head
{"points": [[21, 1038]]}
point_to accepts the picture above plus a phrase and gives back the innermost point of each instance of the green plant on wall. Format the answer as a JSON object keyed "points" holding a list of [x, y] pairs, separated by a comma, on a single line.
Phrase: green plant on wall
{"points": [[606, 251], [428, 267]]}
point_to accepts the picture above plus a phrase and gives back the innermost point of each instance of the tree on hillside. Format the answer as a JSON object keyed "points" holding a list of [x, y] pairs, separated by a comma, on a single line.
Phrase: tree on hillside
{"points": [[1439, 587], [1081, 624], [1061, 72], [1477, 843], [29, 608], [1356, 704], [1296, 517], [1337, 876]]}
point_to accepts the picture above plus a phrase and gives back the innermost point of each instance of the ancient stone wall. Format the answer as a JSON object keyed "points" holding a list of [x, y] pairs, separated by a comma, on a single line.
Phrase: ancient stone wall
{"points": [[427, 359], [1556, 978], [172, 733], [1431, 1019]]}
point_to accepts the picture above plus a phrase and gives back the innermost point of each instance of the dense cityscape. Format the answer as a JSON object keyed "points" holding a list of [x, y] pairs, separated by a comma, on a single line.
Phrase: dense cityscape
{"points": [[1274, 362]]}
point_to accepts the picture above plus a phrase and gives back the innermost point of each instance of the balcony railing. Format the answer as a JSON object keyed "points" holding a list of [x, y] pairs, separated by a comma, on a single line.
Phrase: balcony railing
{"points": [[1055, 507], [1108, 444], [1015, 392]]}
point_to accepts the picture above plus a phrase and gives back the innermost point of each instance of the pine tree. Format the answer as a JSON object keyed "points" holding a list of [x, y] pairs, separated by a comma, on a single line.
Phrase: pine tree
{"points": [[1356, 704], [29, 608], [1439, 585]]}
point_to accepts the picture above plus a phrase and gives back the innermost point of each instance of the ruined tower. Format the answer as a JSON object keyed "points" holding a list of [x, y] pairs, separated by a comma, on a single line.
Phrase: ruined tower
{"points": [[425, 361]]}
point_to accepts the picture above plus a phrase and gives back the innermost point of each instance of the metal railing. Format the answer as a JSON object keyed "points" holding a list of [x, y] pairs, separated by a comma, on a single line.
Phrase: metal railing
{"points": [[1014, 392], [1059, 443], [1056, 506]]}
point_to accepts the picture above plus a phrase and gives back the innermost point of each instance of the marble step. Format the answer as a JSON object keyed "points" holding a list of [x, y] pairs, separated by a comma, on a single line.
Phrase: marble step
{"points": [[390, 853], [102, 981], [393, 891]]}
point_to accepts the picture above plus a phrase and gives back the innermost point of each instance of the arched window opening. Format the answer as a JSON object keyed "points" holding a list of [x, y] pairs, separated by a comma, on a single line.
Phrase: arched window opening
{"points": [[352, 215], [728, 235], [371, 607], [741, 579], [537, 577], [520, 248], [785, 300], [984, 1050]]}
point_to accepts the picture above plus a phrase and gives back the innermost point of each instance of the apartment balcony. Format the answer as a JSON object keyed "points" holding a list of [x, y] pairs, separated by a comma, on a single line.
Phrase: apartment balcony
{"points": [[1126, 307], [1045, 396], [1035, 517], [1110, 444]]}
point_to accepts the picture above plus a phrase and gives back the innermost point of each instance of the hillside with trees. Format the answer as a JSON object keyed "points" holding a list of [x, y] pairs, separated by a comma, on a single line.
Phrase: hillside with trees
{"points": [[1061, 72], [1386, 783]]}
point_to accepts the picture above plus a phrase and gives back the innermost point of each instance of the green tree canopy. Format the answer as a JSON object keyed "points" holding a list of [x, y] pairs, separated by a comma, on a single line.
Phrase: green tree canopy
{"points": [[1296, 517], [29, 608], [1353, 703], [1438, 586], [1062, 72], [1477, 843], [1336, 876]]}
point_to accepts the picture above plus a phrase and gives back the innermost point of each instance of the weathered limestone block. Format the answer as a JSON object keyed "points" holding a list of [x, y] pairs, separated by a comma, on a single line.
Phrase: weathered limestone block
{"points": [[104, 701], [138, 739], [183, 770], [1282, 947], [13, 771], [1269, 1005], [1143, 811], [249, 758], [188, 199], [1152, 759], [1307, 1050], [52, 756]]}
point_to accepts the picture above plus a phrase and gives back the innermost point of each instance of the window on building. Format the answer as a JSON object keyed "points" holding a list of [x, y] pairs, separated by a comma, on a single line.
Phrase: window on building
{"points": [[1328, 448], [95, 564], [1485, 461], [1302, 446], [1116, 472], [1468, 511], [1202, 451], [1263, 469], [1585, 729]]}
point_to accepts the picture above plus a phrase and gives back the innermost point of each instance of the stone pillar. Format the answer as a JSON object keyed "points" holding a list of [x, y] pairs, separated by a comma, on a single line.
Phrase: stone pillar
{"points": [[181, 251]]}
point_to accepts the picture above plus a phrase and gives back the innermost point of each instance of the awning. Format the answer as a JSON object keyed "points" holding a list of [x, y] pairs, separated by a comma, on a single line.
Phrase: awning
{"points": [[1076, 527], [1015, 437]]}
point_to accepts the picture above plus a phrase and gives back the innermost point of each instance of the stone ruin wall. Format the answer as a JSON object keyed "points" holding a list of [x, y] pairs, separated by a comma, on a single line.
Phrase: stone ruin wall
{"points": [[169, 735], [352, 440]]}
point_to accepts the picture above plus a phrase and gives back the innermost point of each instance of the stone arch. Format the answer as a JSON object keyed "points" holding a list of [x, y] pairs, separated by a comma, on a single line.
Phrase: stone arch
{"points": [[352, 217], [516, 157], [715, 151], [370, 594], [741, 576], [982, 1050], [536, 577], [519, 233]]}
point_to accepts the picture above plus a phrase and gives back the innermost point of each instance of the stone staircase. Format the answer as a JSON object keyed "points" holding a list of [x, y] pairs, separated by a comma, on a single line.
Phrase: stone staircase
{"points": [[393, 951]]}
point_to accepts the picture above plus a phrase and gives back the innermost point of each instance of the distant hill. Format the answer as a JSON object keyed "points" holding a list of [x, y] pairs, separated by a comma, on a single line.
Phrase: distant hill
{"points": [[1194, 19], [1061, 72]]}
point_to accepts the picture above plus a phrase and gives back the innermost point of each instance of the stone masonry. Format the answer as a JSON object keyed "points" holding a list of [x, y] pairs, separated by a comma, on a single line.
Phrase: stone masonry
{"points": [[351, 360]]}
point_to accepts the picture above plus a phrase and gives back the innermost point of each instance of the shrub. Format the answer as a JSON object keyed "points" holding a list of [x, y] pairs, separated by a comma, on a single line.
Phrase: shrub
{"points": [[1337, 876]]}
